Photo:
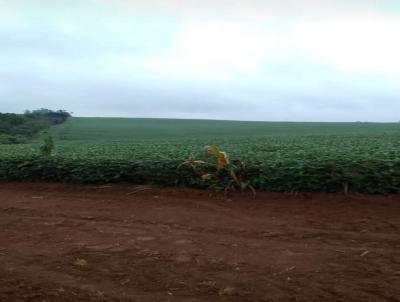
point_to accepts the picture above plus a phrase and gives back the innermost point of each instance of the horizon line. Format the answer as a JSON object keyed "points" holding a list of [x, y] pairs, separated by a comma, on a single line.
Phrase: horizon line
{"points": [[236, 120]]}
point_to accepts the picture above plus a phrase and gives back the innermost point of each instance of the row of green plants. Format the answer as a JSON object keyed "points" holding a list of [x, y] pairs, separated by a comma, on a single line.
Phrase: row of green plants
{"points": [[372, 177], [257, 165]]}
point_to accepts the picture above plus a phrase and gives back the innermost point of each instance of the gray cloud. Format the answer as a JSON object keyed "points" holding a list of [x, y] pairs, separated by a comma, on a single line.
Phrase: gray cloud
{"points": [[106, 61]]}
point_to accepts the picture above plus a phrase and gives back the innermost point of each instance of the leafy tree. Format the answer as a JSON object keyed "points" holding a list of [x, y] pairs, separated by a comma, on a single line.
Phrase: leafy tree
{"points": [[17, 128]]}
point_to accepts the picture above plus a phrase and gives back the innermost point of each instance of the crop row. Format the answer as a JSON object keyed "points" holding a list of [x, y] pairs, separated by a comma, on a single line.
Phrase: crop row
{"points": [[326, 164]]}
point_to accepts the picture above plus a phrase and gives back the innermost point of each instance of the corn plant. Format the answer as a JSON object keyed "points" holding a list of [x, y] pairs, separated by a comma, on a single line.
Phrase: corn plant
{"points": [[214, 163], [47, 148]]}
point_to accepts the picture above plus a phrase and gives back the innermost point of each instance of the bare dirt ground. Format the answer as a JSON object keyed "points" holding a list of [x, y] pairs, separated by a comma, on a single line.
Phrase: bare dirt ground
{"points": [[120, 243]]}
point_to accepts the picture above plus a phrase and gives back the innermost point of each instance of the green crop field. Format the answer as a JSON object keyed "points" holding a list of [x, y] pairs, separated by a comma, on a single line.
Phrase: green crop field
{"points": [[95, 129], [280, 156]]}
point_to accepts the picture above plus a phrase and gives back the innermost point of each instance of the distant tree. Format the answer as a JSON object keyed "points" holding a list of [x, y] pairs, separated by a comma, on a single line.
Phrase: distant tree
{"points": [[16, 128], [56, 117]]}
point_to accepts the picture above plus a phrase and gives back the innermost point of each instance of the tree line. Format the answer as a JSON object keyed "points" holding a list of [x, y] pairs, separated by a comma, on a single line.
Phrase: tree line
{"points": [[19, 128]]}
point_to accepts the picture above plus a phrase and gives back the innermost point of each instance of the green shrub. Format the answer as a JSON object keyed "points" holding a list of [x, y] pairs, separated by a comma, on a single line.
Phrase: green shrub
{"points": [[46, 149]]}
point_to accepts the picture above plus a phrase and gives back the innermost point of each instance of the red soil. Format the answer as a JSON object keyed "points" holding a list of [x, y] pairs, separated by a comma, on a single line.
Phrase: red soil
{"points": [[121, 243]]}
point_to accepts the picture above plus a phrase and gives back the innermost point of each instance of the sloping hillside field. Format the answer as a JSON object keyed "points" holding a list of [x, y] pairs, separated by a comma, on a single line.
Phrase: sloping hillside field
{"points": [[288, 157]]}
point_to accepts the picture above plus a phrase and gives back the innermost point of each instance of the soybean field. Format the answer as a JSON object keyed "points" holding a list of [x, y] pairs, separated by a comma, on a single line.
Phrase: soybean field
{"points": [[279, 156]]}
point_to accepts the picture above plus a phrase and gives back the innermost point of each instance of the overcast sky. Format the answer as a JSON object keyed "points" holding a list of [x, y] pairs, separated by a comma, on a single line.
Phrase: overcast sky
{"points": [[302, 60]]}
